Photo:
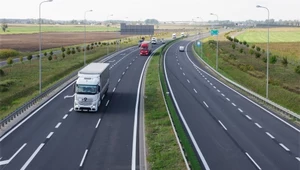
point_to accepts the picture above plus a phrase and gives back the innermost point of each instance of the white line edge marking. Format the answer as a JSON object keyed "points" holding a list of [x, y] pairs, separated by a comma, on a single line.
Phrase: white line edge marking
{"points": [[32, 156], [284, 147], [222, 125], [195, 91], [133, 153], [29, 116], [98, 123], [50, 134], [233, 104], [182, 118], [107, 102], [58, 124], [114, 90], [66, 115], [205, 104], [258, 125], [12, 157], [240, 110], [71, 109], [83, 158], [248, 117], [270, 135], [253, 161]]}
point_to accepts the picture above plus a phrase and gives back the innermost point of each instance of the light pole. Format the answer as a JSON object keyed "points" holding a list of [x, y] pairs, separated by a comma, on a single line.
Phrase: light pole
{"points": [[201, 37], [40, 46], [217, 51], [107, 50], [267, 85], [84, 58]]}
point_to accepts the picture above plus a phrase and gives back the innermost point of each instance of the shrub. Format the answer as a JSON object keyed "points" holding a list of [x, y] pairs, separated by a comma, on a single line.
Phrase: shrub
{"points": [[241, 50], [251, 51], [73, 51], [284, 61], [68, 51], [257, 48], [236, 40], [88, 47], [253, 46], [297, 69], [247, 45], [104, 43], [99, 43], [245, 42], [257, 54], [273, 59], [21, 59], [6, 53], [50, 57], [263, 51], [63, 49], [78, 49], [232, 56], [264, 59], [1, 73], [233, 46], [29, 57], [10, 61], [38, 56], [63, 55], [51, 52], [241, 42]]}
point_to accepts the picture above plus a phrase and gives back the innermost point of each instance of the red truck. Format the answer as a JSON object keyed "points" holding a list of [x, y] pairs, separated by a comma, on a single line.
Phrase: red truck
{"points": [[145, 48]]}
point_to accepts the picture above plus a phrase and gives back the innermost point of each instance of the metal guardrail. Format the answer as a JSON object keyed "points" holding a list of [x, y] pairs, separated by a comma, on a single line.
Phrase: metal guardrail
{"points": [[257, 96]]}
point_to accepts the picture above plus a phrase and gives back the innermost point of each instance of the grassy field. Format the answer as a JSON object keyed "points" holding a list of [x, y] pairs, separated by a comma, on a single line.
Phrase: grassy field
{"points": [[163, 150], [250, 71]]}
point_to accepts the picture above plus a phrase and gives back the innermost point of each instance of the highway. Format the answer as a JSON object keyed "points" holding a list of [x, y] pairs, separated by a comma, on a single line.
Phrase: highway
{"points": [[227, 130], [56, 137]]}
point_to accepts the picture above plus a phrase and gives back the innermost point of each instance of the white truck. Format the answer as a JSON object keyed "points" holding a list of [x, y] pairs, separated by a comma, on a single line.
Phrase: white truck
{"points": [[91, 86], [174, 36]]}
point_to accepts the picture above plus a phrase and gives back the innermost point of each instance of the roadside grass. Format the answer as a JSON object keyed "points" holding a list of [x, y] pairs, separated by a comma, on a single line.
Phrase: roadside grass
{"points": [[163, 150], [249, 71]]}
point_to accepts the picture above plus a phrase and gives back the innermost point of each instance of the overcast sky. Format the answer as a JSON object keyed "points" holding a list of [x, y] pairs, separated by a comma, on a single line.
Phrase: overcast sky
{"points": [[162, 10]]}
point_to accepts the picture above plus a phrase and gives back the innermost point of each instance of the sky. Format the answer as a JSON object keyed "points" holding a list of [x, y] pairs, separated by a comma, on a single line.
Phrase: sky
{"points": [[162, 10]]}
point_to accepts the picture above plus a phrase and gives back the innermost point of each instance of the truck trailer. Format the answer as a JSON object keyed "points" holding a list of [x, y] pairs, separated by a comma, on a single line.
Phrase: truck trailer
{"points": [[146, 48], [91, 87]]}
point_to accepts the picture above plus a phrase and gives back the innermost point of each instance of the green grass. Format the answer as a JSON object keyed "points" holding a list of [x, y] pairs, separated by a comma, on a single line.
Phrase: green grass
{"points": [[29, 29], [260, 36], [163, 150], [284, 83]]}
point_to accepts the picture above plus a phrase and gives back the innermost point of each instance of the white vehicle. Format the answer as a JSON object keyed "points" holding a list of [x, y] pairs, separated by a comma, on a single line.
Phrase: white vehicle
{"points": [[174, 36], [91, 86], [182, 34], [153, 40], [181, 48]]}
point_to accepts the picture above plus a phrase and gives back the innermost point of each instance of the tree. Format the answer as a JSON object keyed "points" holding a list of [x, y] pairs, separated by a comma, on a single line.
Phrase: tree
{"points": [[257, 54], [63, 55], [4, 27], [273, 59], [241, 50], [284, 61], [51, 53], [73, 51], [21, 59], [297, 69], [257, 48], [63, 49], [233, 46], [45, 54], [253, 46], [29, 57], [50, 57], [151, 21], [10, 61]]}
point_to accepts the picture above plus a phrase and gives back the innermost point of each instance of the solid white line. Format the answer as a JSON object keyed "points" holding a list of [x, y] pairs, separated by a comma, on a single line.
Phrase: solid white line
{"points": [[222, 125], [257, 125], [249, 117], [18, 125], [83, 158], [183, 74], [32, 156], [123, 73], [253, 161], [114, 90], [223, 95], [107, 102], [298, 159], [205, 104], [200, 154], [233, 104], [66, 115], [218, 90], [50, 134], [188, 80], [195, 91], [119, 80], [270, 135], [58, 124], [284, 147], [240, 110], [71, 109], [227, 99], [11, 158], [98, 123]]}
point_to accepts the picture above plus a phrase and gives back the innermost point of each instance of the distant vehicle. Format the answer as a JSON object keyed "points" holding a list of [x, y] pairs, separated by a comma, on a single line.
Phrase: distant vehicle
{"points": [[140, 42], [174, 36], [146, 48], [91, 86], [162, 41], [181, 48], [153, 40], [182, 34]]}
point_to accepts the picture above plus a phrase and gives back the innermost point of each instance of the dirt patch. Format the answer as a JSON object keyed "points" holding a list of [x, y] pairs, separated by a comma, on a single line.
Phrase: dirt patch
{"points": [[30, 42]]}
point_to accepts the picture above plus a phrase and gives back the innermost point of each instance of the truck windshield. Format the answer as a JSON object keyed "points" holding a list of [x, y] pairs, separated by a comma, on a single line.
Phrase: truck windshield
{"points": [[86, 89]]}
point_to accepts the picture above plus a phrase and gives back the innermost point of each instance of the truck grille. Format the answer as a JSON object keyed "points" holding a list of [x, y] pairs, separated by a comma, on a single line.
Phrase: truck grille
{"points": [[87, 103]]}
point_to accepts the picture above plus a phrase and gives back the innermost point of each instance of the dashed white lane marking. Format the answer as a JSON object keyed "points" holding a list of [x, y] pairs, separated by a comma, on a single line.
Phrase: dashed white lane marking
{"points": [[188, 80], [284, 147], [32, 156], [71, 109], [66, 115], [183, 74], [126, 68], [83, 158], [107, 102], [195, 91], [205, 104], [214, 87], [178, 63], [298, 159], [249, 117], [119, 80], [223, 94], [210, 83], [50, 134], [205, 78], [257, 125], [218, 90], [98, 123], [130, 63], [253, 161], [180, 68], [123, 73], [114, 90], [233, 104], [270, 135], [240, 110], [222, 125], [58, 124], [227, 99]]}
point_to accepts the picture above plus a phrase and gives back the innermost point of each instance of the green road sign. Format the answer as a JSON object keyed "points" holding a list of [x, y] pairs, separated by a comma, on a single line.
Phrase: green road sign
{"points": [[214, 32]]}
